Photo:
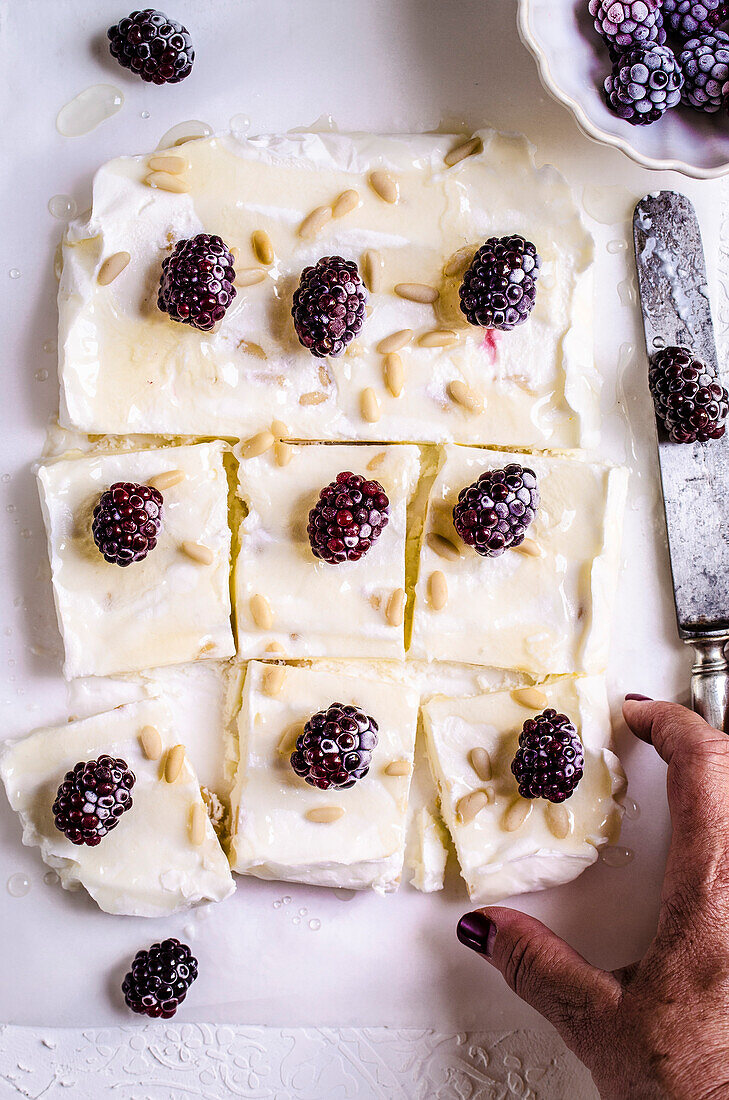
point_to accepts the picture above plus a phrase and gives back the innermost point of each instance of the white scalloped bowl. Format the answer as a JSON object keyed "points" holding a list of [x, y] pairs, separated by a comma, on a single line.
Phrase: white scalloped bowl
{"points": [[573, 63]]}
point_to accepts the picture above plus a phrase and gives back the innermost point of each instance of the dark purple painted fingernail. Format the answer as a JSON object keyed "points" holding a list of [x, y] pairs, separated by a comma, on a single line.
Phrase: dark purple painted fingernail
{"points": [[639, 698], [477, 932]]}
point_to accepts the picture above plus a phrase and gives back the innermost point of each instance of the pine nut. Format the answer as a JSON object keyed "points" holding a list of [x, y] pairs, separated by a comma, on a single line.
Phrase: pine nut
{"points": [[262, 247], [198, 817], [470, 805], [417, 292], [458, 262], [282, 453], [316, 397], [324, 815], [442, 546], [558, 820], [151, 742], [173, 165], [372, 268], [163, 181], [275, 648], [399, 767], [173, 763], [437, 590], [257, 445], [464, 396], [261, 612], [167, 479], [395, 610], [438, 338], [249, 276], [394, 373], [530, 697], [516, 815], [370, 406], [466, 149], [203, 555], [481, 763], [273, 679], [383, 184], [396, 341], [345, 203], [112, 267], [314, 222], [375, 462], [279, 429], [531, 548], [250, 348]]}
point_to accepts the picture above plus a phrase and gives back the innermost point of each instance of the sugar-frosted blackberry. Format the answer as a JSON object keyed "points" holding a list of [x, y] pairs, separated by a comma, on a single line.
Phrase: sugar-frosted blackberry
{"points": [[154, 47], [644, 83], [625, 23], [92, 798], [704, 62], [550, 759], [159, 979], [335, 749], [196, 286], [493, 514], [329, 306], [127, 522], [348, 518], [500, 286], [688, 398], [688, 18]]}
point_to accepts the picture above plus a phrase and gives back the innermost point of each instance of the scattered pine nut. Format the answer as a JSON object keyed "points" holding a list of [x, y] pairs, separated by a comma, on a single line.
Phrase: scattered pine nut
{"points": [[442, 546], [163, 181], [235, 253], [516, 815], [262, 247], [394, 373], [558, 820], [480, 761], [531, 548], [151, 742], [466, 149], [324, 815], [530, 697], [437, 590], [250, 348], [261, 612], [438, 338], [314, 222], [464, 396], [399, 767], [257, 445], [372, 269], [395, 610], [273, 678], [198, 818], [112, 267], [396, 341], [282, 453], [167, 480], [471, 805], [458, 262], [370, 406], [279, 429], [249, 276], [173, 165], [375, 462], [345, 203], [417, 292], [384, 185], [173, 763], [315, 397], [275, 648], [203, 555]]}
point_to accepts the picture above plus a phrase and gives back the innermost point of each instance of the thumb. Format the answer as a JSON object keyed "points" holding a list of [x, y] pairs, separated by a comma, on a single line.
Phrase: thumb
{"points": [[544, 971]]}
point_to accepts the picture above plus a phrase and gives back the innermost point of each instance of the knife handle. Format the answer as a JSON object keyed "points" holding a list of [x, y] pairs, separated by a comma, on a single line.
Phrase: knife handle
{"points": [[710, 682]]}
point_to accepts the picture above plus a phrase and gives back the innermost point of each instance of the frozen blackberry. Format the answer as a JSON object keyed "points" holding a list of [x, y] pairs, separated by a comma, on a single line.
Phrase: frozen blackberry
{"points": [[154, 47], [550, 759], [335, 749], [688, 398], [347, 519], [196, 286], [92, 798], [127, 522], [644, 83], [626, 23], [329, 306], [704, 62], [159, 979], [493, 514], [688, 18], [499, 287]]}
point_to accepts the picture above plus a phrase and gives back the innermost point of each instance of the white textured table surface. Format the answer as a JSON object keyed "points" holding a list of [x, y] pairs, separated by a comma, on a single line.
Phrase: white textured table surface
{"points": [[374, 65]]}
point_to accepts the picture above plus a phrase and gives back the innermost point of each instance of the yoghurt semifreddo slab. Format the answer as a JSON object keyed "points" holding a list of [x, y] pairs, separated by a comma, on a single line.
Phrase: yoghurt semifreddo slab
{"points": [[126, 367], [151, 864], [544, 612], [168, 608], [513, 845], [315, 608], [272, 833]]}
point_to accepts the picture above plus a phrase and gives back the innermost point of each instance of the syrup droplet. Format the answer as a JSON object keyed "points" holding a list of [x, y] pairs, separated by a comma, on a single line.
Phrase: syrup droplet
{"points": [[296, 920], [185, 131], [659, 342], [144, 114], [607, 205], [286, 900], [50, 347], [14, 273], [50, 878], [88, 109], [302, 912], [315, 925], [632, 809], [628, 292], [41, 376], [62, 207], [240, 125], [277, 905], [18, 886], [617, 246], [345, 895], [615, 856]]}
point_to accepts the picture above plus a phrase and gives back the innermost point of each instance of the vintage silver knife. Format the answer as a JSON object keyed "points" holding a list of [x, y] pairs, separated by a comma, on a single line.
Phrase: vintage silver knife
{"points": [[674, 298]]}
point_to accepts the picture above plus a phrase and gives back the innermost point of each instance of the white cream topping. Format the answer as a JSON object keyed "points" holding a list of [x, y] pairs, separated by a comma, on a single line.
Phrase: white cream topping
{"points": [[429, 854], [163, 610], [498, 861], [148, 866], [546, 613], [126, 367], [272, 837], [319, 609]]}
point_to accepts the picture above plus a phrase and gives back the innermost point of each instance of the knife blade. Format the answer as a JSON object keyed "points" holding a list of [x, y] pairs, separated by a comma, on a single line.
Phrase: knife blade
{"points": [[674, 297]]}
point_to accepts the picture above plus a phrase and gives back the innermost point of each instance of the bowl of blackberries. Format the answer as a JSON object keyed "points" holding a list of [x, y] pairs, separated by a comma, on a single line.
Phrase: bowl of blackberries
{"points": [[650, 77]]}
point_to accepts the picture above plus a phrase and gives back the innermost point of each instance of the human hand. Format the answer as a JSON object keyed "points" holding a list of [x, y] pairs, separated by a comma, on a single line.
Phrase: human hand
{"points": [[660, 1027]]}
